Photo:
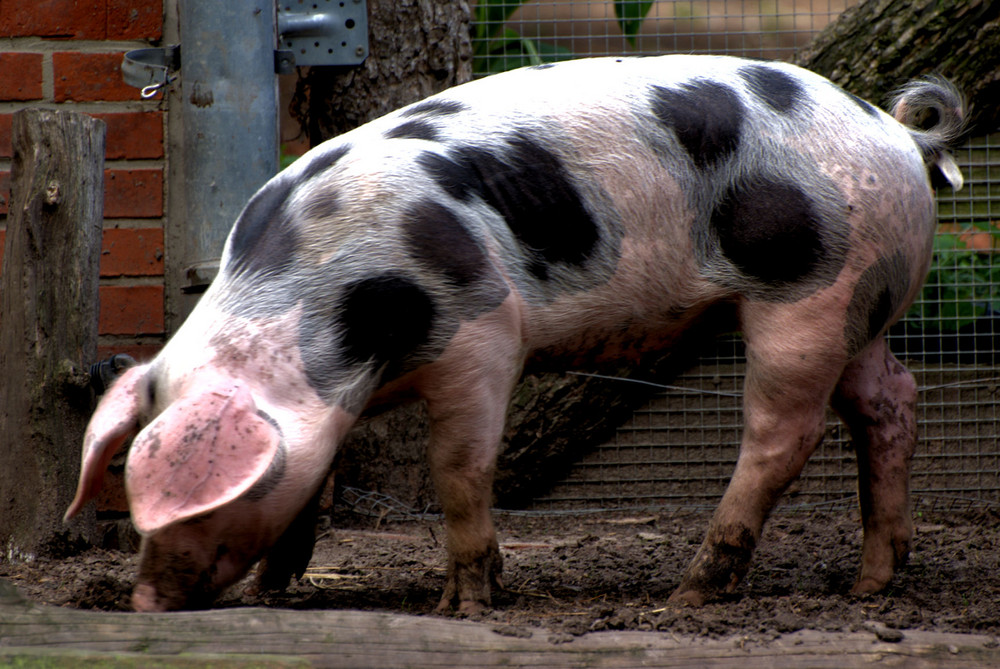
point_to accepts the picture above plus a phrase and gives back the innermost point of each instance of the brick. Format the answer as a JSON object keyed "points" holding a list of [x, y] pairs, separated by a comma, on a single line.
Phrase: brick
{"points": [[142, 352], [132, 252], [133, 193], [130, 310], [6, 146], [4, 192], [74, 19], [134, 135], [20, 76], [90, 77], [135, 19]]}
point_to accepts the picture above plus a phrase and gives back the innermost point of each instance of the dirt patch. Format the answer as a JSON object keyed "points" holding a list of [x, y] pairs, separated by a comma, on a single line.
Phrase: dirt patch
{"points": [[571, 574]]}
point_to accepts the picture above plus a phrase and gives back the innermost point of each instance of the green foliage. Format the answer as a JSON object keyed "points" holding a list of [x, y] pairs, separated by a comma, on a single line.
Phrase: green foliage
{"points": [[498, 48], [963, 284], [285, 159], [631, 14]]}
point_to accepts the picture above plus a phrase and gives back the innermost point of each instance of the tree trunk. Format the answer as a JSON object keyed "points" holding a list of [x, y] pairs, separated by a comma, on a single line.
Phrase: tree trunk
{"points": [[48, 298], [554, 419], [416, 48], [879, 45]]}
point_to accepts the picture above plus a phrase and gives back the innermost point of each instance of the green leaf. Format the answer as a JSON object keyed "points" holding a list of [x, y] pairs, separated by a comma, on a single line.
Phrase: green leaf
{"points": [[490, 16], [631, 14], [511, 51]]}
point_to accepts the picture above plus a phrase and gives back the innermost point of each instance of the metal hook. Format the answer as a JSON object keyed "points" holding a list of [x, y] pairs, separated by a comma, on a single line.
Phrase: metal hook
{"points": [[151, 90]]}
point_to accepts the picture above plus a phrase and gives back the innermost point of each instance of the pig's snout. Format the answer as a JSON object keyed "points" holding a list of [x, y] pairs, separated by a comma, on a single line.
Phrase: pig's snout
{"points": [[186, 565], [145, 599]]}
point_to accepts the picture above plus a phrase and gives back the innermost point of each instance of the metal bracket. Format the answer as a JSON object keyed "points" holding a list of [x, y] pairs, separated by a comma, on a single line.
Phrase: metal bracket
{"points": [[151, 69], [329, 32]]}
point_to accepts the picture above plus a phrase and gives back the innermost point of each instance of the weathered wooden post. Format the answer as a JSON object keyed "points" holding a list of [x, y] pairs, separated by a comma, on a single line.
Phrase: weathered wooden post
{"points": [[48, 325]]}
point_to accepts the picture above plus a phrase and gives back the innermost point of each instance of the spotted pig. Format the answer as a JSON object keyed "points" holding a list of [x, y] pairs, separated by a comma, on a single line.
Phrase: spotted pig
{"points": [[569, 214]]}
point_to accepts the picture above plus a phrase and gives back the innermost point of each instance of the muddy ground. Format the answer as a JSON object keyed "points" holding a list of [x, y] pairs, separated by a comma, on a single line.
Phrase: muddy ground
{"points": [[570, 574]]}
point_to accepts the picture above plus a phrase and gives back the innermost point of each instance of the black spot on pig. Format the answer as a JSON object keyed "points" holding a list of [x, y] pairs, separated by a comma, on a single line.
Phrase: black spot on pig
{"points": [[323, 161], [434, 107], [770, 230], [384, 318], [321, 202], [263, 240], [779, 90], [541, 205], [437, 239], [415, 129], [531, 189], [706, 117], [878, 295], [456, 177]]}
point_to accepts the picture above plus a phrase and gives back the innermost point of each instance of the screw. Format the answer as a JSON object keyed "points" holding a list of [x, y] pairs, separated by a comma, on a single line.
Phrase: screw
{"points": [[360, 51]]}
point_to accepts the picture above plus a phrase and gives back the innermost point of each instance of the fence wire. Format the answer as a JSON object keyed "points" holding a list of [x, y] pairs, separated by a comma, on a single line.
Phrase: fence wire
{"points": [[680, 449]]}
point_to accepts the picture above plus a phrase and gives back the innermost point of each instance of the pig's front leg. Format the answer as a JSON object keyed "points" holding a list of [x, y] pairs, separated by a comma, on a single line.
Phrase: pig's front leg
{"points": [[467, 391], [788, 383], [291, 554], [876, 398]]}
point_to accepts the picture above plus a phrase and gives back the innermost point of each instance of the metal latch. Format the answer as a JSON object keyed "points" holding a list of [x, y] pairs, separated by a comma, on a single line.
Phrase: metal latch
{"points": [[326, 32], [151, 69]]}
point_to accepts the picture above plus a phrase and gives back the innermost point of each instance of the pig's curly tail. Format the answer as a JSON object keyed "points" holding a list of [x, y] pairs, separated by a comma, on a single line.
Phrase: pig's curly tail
{"points": [[933, 110]]}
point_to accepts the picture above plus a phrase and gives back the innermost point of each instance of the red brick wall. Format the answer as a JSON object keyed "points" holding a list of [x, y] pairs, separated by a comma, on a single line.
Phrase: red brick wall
{"points": [[67, 54]]}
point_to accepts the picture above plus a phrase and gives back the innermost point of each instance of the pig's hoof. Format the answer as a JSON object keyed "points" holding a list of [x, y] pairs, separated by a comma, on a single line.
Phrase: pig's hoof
{"points": [[868, 586], [466, 607], [687, 598], [471, 608]]}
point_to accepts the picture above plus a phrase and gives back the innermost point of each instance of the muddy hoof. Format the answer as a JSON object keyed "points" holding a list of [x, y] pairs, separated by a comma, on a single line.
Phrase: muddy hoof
{"points": [[687, 598], [868, 586], [466, 607]]}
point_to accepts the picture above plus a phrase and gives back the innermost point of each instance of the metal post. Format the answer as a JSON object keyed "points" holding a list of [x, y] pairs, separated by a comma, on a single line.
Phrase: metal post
{"points": [[229, 111]]}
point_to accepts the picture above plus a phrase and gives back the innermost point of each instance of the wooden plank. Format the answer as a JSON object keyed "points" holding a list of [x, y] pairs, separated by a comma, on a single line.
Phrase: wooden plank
{"points": [[272, 637]]}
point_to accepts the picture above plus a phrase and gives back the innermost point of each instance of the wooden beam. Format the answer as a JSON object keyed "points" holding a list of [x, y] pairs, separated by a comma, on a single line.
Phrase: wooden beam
{"points": [[257, 637]]}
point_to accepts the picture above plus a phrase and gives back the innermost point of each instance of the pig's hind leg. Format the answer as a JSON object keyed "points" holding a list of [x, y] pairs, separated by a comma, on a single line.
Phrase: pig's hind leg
{"points": [[792, 368], [876, 399], [467, 392]]}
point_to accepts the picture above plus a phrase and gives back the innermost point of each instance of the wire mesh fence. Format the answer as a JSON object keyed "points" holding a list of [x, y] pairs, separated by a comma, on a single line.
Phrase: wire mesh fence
{"points": [[681, 447]]}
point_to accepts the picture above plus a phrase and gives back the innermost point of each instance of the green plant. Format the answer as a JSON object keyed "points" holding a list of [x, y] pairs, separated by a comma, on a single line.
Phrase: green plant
{"points": [[285, 158], [963, 283], [498, 48], [631, 14]]}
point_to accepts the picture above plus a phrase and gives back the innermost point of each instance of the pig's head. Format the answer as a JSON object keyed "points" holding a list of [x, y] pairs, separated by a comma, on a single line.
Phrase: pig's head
{"points": [[207, 480]]}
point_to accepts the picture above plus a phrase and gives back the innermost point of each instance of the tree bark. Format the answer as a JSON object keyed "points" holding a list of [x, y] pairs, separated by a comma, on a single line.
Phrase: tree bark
{"points": [[877, 46], [416, 48], [48, 298]]}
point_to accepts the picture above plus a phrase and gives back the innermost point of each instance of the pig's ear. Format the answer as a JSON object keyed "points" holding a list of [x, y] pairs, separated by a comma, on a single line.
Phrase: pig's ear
{"points": [[115, 419], [199, 454]]}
